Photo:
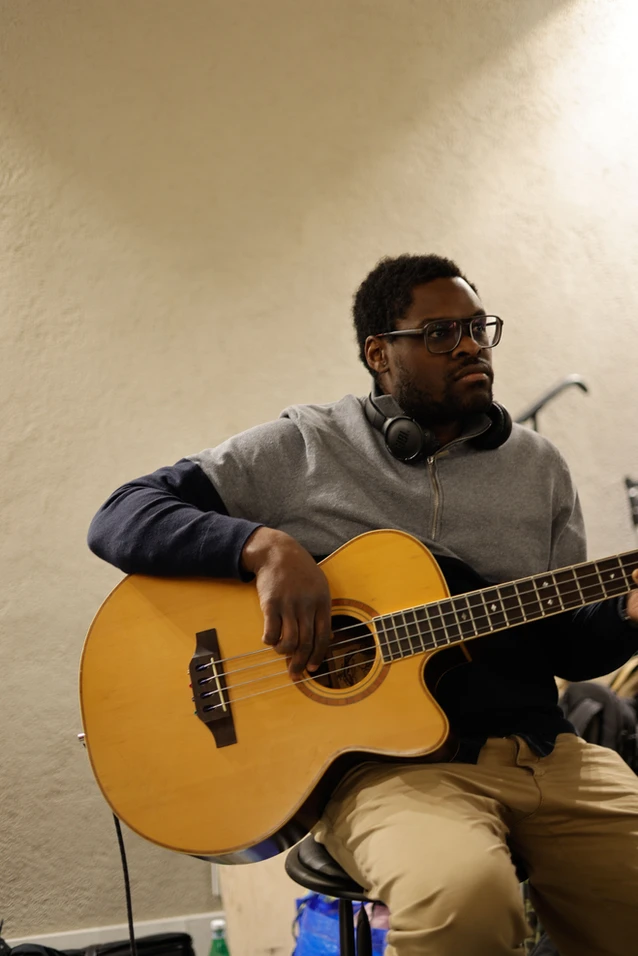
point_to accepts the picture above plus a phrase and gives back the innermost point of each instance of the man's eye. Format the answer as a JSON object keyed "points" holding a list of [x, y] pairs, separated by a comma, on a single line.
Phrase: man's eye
{"points": [[439, 331]]}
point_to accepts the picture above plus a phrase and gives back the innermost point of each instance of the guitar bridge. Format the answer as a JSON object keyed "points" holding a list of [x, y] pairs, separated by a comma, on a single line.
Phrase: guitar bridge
{"points": [[210, 692]]}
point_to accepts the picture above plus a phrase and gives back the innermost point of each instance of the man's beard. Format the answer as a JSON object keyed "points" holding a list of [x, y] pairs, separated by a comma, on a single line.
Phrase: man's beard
{"points": [[419, 404]]}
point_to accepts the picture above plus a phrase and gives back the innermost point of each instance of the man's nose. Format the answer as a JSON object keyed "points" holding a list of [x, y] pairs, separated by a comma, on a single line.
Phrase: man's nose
{"points": [[467, 345]]}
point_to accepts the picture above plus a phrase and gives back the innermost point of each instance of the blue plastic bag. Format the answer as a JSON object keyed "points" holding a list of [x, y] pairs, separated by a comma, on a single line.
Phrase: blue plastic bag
{"points": [[317, 927]]}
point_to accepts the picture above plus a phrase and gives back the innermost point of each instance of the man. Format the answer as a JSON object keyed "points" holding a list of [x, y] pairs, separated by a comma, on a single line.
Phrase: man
{"points": [[494, 503]]}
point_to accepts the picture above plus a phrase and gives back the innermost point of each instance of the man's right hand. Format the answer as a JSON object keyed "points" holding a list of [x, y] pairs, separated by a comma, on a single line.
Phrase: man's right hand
{"points": [[294, 598]]}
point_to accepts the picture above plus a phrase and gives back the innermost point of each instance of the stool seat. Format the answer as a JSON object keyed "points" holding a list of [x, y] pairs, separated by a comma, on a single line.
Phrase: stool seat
{"points": [[310, 865]]}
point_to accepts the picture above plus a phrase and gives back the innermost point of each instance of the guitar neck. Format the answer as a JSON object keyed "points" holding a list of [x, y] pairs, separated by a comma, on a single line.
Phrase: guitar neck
{"points": [[453, 620]]}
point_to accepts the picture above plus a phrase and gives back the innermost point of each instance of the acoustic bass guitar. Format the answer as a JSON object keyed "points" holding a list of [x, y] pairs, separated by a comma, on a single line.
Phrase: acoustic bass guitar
{"points": [[200, 741]]}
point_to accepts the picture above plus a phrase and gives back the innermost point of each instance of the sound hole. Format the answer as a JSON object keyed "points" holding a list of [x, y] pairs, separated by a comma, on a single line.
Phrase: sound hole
{"points": [[350, 656]]}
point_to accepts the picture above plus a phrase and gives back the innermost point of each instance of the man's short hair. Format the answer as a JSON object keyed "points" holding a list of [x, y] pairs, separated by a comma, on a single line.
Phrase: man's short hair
{"points": [[385, 295]]}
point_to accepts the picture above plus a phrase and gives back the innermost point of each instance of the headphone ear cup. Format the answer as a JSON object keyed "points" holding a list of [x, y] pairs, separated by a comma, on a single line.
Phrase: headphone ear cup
{"points": [[404, 438], [407, 441], [498, 432]]}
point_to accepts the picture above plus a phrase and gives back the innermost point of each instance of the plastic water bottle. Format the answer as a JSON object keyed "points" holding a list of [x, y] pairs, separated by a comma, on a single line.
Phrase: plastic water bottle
{"points": [[218, 944]]}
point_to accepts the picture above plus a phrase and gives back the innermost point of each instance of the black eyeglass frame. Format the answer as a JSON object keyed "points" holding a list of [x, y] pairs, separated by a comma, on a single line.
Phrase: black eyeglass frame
{"points": [[462, 324]]}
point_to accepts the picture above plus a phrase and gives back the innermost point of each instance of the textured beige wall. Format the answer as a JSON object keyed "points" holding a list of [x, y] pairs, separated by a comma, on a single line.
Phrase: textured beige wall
{"points": [[190, 193]]}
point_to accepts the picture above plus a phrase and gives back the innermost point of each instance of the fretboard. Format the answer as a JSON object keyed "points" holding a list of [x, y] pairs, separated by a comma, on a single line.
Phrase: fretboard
{"points": [[460, 618]]}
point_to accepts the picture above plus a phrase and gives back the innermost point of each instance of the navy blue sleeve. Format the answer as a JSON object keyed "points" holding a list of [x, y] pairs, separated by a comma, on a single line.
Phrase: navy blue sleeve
{"points": [[589, 642], [171, 523]]}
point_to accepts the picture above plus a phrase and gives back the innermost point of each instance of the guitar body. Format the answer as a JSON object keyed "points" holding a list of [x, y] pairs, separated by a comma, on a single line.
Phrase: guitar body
{"points": [[250, 784]]}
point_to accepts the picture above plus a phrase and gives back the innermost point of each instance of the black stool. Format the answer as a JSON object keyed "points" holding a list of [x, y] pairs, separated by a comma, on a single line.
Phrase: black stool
{"points": [[310, 865]]}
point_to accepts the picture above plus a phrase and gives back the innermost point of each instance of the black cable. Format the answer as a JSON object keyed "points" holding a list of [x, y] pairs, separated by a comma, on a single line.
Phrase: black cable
{"points": [[127, 887]]}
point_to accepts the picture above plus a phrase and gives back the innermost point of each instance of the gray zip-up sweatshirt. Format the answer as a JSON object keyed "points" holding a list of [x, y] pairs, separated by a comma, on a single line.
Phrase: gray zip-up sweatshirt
{"points": [[323, 475]]}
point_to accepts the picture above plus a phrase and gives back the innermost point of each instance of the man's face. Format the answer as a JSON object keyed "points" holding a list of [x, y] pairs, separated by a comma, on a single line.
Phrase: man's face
{"points": [[438, 389]]}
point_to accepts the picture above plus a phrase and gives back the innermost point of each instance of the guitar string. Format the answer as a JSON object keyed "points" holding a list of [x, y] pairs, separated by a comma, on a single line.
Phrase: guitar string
{"points": [[481, 591], [271, 690], [433, 631], [393, 640], [281, 673]]}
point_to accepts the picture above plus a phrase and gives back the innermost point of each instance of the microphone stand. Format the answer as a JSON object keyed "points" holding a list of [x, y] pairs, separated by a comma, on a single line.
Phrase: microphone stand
{"points": [[632, 493], [531, 413]]}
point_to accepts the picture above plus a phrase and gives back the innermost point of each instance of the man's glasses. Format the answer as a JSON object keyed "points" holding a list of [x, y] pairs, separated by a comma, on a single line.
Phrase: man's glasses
{"points": [[443, 335]]}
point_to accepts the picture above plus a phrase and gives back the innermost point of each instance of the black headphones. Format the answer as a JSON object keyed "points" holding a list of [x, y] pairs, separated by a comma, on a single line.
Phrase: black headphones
{"points": [[407, 441]]}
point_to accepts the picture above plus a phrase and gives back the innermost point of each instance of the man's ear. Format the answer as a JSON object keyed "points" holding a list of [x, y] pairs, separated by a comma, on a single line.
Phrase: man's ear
{"points": [[375, 354]]}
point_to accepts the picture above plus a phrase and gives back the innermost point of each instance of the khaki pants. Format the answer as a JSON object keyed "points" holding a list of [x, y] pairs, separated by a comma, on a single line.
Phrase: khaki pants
{"points": [[430, 842]]}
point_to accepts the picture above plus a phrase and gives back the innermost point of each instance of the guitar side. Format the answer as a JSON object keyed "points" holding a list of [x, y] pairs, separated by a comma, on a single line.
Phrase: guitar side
{"points": [[253, 790]]}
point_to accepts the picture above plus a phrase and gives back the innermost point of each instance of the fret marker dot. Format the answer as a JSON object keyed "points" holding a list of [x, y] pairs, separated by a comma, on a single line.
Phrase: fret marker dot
{"points": [[492, 607], [551, 601]]}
